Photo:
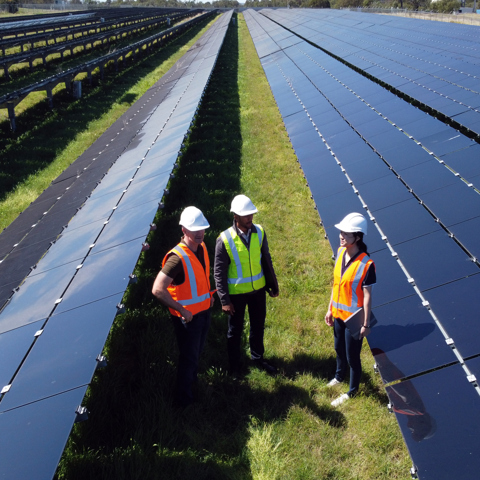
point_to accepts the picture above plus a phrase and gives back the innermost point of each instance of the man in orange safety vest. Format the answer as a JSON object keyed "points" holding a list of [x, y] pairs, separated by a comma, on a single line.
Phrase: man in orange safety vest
{"points": [[183, 285]]}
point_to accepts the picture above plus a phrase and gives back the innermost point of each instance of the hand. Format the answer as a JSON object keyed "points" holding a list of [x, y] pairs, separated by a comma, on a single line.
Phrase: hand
{"points": [[273, 293], [212, 301], [228, 309], [363, 332], [329, 318], [186, 315]]}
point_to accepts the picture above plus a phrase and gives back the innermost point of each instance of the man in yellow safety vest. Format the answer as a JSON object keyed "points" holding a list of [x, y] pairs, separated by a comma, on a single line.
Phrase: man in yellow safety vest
{"points": [[243, 273]]}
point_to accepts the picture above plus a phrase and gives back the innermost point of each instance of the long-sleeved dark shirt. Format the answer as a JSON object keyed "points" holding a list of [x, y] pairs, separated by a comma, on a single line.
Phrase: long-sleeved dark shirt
{"points": [[222, 262]]}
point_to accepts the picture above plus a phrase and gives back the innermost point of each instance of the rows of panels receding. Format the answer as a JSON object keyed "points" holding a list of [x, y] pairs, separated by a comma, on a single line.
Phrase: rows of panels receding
{"points": [[363, 149], [54, 327], [435, 63]]}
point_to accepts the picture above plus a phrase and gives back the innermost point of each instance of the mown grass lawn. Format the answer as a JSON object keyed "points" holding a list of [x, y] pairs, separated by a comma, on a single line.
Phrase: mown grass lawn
{"points": [[259, 427]]}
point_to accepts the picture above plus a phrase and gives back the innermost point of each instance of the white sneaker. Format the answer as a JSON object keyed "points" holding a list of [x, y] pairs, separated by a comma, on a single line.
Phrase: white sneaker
{"points": [[341, 399], [333, 382]]}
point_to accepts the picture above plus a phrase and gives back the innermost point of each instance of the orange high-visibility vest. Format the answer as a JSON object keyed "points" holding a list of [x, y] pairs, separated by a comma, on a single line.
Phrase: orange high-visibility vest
{"points": [[194, 292], [347, 298]]}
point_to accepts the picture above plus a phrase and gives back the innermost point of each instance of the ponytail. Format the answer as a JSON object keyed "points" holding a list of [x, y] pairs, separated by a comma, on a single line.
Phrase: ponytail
{"points": [[361, 244]]}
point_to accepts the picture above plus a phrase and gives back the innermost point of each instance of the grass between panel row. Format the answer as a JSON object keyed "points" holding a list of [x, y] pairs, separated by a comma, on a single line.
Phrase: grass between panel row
{"points": [[261, 427]]}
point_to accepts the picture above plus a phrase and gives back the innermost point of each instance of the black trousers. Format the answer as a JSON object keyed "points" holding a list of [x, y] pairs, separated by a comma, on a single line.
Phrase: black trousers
{"points": [[191, 340], [257, 311]]}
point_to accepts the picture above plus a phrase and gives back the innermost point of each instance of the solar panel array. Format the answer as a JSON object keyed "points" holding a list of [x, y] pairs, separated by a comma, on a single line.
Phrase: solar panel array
{"points": [[54, 327], [416, 179], [434, 63], [49, 21], [11, 99], [102, 33]]}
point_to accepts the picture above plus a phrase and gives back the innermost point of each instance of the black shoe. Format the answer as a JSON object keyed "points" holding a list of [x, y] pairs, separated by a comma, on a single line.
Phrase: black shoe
{"points": [[262, 364]]}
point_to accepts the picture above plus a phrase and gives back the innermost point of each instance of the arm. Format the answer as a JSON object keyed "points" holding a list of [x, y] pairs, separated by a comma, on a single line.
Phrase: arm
{"points": [[328, 316], [160, 291], [268, 270], [367, 308], [220, 271]]}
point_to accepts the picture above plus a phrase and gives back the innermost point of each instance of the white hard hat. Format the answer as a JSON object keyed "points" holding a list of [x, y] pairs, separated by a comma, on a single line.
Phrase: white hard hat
{"points": [[193, 219], [242, 205], [353, 222]]}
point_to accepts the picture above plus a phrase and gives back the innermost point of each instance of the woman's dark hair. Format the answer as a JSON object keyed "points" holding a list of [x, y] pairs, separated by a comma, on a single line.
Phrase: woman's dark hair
{"points": [[361, 243]]}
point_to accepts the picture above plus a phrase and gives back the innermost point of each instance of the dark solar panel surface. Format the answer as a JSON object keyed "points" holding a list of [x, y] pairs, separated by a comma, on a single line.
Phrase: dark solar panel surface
{"points": [[363, 149], [41, 429], [435, 63], [55, 325]]}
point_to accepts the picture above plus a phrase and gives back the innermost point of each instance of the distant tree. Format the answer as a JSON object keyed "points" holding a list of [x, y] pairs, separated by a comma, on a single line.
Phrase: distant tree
{"points": [[12, 5], [225, 4], [318, 4], [445, 6], [348, 3], [416, 5]]}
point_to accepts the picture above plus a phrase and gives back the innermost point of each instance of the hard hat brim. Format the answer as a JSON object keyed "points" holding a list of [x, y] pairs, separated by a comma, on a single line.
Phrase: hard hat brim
{"points": [[347, 228], [244, 214], [196, 228]]}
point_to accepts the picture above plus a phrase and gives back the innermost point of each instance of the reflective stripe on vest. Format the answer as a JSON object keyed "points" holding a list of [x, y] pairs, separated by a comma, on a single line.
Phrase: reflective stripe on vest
{"points": [[193, 282], [347, 296], [245, 272], [194, 292]]}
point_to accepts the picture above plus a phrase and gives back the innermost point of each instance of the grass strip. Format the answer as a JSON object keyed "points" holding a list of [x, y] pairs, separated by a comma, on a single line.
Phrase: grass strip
{"points": [[259, 427]]}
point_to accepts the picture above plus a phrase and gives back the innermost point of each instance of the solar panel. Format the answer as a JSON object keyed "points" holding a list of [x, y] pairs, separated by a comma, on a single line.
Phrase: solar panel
{"points": [[422, 65], [13, 345], [458, 316], [407, 328], [36, 297], [451, 212], [405, 221], [41, 429], [64, 355], [429, 411]]}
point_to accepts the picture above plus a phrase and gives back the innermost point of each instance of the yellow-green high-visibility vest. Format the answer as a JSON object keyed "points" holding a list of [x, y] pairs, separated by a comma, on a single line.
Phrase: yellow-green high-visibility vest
{"points": [[245, 272]]}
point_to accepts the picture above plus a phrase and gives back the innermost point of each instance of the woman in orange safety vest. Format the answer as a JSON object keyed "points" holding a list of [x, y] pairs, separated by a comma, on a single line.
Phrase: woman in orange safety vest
{"points": [[354, 276]]}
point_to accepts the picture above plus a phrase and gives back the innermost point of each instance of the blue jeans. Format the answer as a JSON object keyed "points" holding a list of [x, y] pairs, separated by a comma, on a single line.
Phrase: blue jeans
{"points": [[191, 340], [348, 354]]}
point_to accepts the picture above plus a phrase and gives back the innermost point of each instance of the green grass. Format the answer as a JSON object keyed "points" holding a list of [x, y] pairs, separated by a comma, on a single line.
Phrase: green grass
{"points": [[259, 428]]}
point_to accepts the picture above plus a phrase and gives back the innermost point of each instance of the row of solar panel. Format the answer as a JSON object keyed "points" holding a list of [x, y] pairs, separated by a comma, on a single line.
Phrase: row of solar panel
{"points": [[442, 76], [63, 312], [24, 241], [47, 21], [93, 39], [356, 157], [379, 157], [118, 212]]}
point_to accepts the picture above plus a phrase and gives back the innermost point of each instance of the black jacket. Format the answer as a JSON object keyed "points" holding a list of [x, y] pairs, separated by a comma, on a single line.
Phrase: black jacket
{"points": [[222, 261]]}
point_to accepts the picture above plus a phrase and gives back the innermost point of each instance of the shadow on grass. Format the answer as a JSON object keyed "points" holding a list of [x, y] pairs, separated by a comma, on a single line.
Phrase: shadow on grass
{"points": [[134, 431], [321, 367], [31, 148]]}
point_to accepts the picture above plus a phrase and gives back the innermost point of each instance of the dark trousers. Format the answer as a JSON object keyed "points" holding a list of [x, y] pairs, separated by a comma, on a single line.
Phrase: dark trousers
{"points": [[348, 354], [191, 340], [257, 311]]}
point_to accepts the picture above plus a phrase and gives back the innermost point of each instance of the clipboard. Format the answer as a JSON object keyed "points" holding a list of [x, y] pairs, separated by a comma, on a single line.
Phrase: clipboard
{"points": [[355, 323]]}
